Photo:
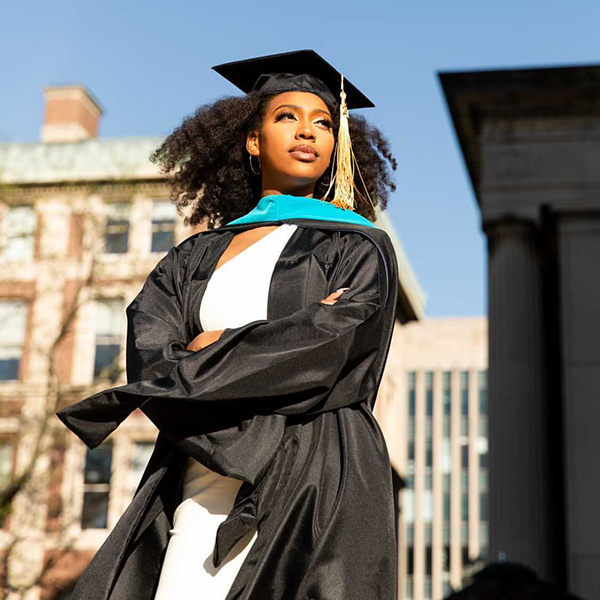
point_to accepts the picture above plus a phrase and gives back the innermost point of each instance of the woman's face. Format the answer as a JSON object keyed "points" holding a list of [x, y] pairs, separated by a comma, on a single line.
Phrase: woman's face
{"points": [[294, 144]]}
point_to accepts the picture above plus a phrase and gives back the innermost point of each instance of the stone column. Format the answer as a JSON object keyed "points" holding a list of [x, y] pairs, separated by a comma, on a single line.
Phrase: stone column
{"points": [[520, 512]]}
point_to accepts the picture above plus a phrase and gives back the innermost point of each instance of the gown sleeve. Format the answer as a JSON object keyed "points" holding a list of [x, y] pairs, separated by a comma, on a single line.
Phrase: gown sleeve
{"points": [[314, 360]]}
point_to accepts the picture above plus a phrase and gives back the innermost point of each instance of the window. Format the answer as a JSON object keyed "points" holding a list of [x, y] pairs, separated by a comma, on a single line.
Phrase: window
{"points": [[412, 378], [429, 393], [116, 239], [482, 380], [163, 226], [96, 487], [409, 587], [109, 333], [18, 233], [427, 586], [464, 402], [483, 495], [446, 481], [427, 505], [13, 316], [465, 494], [483, 402], [408, 508], [139, 461], [464, 450], [427, 533], [483, 540], [465, 556]]}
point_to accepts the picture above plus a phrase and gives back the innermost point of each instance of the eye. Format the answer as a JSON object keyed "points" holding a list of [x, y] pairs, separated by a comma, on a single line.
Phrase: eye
{"points": [[284, 113], [326, 122]]}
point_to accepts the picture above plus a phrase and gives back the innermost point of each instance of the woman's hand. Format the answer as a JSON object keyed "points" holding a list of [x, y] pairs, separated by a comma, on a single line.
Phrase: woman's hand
{"points": [[208, 337], [332, 298], [204, 339]]}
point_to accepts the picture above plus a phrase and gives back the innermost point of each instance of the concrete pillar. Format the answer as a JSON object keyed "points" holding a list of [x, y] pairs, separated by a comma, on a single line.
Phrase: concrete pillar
{"points": [[520, 514]]}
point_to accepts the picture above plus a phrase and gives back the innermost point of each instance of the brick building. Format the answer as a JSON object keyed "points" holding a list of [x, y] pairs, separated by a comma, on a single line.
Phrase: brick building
{"points": [[83, 220]]}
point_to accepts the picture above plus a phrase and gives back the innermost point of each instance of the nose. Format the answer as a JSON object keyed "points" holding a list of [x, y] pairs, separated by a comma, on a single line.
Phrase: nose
{"points": [[306, 131]]}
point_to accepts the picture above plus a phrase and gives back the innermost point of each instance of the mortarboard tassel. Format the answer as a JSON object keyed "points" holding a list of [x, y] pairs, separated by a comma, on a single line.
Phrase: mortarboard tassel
{"points": [[345, 162], [344, 175]]}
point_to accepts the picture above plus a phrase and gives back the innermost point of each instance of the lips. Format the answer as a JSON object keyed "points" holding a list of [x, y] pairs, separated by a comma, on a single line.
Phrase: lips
{"points": [[304, 152]]}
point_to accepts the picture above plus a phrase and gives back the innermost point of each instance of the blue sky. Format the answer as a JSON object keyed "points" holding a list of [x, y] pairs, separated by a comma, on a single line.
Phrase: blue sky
{"points": [[148, 63]]}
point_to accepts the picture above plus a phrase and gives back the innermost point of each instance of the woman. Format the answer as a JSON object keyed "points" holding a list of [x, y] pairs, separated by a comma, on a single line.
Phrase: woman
{"points": [[263, 392]]}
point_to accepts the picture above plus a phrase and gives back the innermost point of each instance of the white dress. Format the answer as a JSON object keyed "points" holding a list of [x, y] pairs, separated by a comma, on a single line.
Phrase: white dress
{"points": [[236, 294]]}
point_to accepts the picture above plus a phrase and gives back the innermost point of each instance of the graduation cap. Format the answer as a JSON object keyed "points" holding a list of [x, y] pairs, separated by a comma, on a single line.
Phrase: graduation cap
{"points": [[306, 71]]}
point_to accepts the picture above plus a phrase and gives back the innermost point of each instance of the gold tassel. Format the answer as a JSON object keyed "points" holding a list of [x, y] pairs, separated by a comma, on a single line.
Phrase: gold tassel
{"points": [[345, 162], [344, 175]]}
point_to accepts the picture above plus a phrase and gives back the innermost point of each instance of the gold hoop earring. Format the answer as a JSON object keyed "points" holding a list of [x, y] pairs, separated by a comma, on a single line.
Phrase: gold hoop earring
{"points": [[252, 166]]}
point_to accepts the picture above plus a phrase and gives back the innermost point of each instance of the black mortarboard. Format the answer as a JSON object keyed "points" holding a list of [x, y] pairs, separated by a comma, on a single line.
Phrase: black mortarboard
{"points": [[298, 71], [306, 71]]}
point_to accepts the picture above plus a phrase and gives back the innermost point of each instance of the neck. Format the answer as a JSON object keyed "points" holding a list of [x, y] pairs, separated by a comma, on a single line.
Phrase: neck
{"points": [[306, 191]]}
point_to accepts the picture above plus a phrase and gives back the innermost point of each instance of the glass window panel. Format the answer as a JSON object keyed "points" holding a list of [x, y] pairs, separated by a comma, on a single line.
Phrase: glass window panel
{"points": [[408, 509], [464, 532], [163, 226], [428, 428], [109, 317], [141, 456], [483, 428], [427, 505], [427, 533], [428, 478], [464, 426], [412, 378], [465, 495], [483, 400], [464, 393], [427, 587], [19, 225], [109, 334], [447, 588], [447, 426], [13, 317], [96, 487], [446, 458], [446, 378], [483, 540], [95, 510], [483, 506], [410, 556], [116, 238], [446, 506], [464, 449], [409, 587], [410, 534], [429, 393], [106, 358], [98, 464], [429, 454], [465, 554]]}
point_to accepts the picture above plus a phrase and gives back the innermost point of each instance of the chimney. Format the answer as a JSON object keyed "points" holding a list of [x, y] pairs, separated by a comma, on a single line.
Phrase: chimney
{"points": [[71, 114]]}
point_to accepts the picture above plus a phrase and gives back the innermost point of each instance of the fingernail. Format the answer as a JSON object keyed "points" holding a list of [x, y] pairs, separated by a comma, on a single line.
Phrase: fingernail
{"points": [[343, 289]]}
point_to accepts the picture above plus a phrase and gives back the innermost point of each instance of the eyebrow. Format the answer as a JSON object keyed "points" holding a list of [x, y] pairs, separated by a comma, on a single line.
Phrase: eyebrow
{"points": [[300, 108]]}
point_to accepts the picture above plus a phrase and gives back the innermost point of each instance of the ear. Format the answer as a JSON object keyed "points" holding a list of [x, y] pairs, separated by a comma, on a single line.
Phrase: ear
{"points": [[252, 145]]}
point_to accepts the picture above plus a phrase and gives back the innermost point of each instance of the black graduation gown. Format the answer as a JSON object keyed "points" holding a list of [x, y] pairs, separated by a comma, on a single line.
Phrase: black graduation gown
{"points": [[284, 404]]}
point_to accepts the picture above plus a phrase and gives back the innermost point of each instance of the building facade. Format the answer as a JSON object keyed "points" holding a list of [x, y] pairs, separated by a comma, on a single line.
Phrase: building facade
{"points": [[83, 221], [436, 388], [531, 143]]}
